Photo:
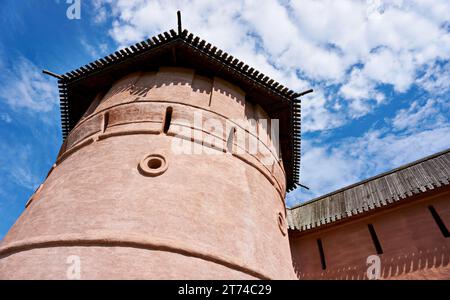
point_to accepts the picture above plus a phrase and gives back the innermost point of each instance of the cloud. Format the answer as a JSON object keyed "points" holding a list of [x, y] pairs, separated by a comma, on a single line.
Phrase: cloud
{"points": [[15, 165], [361, 93], [386, 66], [352, 47], [100, 11], [23, 85], [316, 115], [5, 117], [382, 150], [436, 78], [414, 132], [328, 168], [419, 116], [94, 51]]}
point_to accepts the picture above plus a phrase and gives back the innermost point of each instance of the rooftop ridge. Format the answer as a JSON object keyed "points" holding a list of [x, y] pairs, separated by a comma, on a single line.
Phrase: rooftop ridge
{"points": [[402, 167], [190, 39]]}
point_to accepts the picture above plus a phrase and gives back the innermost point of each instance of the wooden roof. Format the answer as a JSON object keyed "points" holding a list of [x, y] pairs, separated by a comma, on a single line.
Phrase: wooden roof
{"points": [[79, 87], [400, 184]]}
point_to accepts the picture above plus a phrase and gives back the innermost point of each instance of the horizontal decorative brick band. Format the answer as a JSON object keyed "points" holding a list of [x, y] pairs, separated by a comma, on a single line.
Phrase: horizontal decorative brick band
{"points": [[126, 240], [74, 149], [97, 116]]}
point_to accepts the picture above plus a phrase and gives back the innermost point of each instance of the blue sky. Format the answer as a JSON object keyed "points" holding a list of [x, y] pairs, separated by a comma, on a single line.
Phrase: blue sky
{"points": [[380, 71]]}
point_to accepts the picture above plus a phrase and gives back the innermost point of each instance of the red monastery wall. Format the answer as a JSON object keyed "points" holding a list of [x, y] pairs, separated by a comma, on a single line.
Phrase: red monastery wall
{"points": [[412, 243]]}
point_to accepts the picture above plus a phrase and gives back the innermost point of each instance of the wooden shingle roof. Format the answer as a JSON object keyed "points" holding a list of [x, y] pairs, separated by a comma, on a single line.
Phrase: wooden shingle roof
{"points": [[400, 184], [78, 88]]}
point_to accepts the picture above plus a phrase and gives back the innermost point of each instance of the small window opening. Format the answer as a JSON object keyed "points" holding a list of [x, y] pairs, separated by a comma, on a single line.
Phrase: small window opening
{"points": [[322, 254], [230, 140], [439, 222], [376, 241], [105, 121], [167, 119]]}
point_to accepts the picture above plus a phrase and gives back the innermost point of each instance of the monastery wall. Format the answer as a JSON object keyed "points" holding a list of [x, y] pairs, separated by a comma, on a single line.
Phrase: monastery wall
{"points": [[412, 244]]}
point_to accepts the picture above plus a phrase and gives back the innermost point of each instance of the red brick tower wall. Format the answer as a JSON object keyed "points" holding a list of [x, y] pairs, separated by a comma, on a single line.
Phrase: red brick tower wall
{"points": [[121, 200]]}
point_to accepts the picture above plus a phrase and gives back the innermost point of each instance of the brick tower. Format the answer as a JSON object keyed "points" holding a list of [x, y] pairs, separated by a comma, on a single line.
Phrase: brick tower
{"points": [[129, 202]]}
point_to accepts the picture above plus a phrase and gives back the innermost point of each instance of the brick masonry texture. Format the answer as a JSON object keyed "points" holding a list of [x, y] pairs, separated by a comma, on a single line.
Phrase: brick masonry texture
{"points": [[205, 217], [412, 243]]}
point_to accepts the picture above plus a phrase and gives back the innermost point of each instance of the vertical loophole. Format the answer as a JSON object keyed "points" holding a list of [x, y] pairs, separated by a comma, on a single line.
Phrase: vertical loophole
{"points": [[439, 222], [322, 254], [211, 93], [167, 119], [105, 121], [230, 140], [376, 241]]}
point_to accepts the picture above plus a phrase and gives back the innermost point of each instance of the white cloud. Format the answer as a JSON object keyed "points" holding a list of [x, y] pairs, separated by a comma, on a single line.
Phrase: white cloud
{"points": [[19, 169], [417, 115], [5, 117], [414, 132], [316, 115], [100, 11], [388, 41], [24, 86], [361, 94], [385, 66], [328, 168], [95, 51], [325, 169], [436, 78], [24, 177]]}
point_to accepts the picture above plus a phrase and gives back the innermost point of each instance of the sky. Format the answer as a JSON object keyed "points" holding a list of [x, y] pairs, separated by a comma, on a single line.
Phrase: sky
{"points": [[380, 71]]}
